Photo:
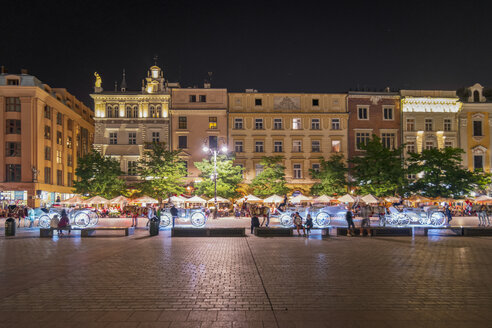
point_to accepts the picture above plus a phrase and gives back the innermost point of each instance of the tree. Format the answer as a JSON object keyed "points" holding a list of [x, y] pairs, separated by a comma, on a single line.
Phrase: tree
{"points": [[98, 176], [440, 174], [332, 175], [272, 179], [162, 171], [228, 177], [380, 171]]}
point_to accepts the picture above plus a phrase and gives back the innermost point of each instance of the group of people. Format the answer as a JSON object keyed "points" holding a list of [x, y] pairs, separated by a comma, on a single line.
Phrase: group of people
{"points": [[60, 224]]}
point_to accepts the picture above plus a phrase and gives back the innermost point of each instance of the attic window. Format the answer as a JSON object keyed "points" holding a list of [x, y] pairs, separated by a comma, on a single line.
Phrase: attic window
{"points": [[12, 82]]}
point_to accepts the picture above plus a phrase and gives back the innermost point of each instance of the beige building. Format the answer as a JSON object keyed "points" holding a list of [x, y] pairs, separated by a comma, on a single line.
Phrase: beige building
{"points": [[198, 118], [43, 132], [300, 127], [127, 120], [429, 119]]}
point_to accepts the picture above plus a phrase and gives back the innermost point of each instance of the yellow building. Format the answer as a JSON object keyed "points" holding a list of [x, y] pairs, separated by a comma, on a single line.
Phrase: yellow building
{"points": [[300, 127], [429, 119], [44, 131], [475, 123], [126, 120]]}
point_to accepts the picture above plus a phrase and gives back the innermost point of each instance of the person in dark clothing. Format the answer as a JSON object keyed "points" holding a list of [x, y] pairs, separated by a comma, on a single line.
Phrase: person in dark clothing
{"points": [[308, 224], [350, 222], [255, 223], [174, 213]]}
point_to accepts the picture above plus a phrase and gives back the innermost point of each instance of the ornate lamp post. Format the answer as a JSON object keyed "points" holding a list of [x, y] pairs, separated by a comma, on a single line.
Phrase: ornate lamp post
{"points": [[214, 176]]}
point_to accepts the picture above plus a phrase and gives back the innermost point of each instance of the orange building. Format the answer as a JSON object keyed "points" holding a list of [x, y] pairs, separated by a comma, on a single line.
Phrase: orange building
{"points": [[43, 133]]}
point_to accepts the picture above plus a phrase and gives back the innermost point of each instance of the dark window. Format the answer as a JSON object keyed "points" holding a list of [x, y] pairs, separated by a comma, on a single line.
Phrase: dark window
{"points": [[13, 126], [258, 102], [12, 149], [70, 125], [113, 138], [477, 128], [478, 162], [238, 123], [47, 112], [12, 104], [363, 113], [69, 179], [13, 173], [192, 98], [59, 119], [361, 138], [132, 138], [212, 142], [476, 96], [182, 122], [315, 102], [128, 111], [47, 175], [12, 82], [59, 138], [69, 160], [47, 153], [238, 146], [47, 132], [132, 168], [182, 142], [59, 177], [203, 98]]}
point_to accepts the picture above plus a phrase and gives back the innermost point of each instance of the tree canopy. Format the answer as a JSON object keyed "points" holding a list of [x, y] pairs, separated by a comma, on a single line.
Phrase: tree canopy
{"points": [[98, 176], [162, 171], [439, 173], [332, 176], [380, 170], [228, 177], [272, 179]]}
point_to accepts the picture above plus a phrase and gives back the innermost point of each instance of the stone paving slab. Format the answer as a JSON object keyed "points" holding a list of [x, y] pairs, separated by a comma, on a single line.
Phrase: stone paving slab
{"points": [[138, 281]]}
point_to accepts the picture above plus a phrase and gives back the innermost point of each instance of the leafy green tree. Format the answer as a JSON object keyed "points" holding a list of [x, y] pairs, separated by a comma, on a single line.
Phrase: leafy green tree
{"points": [[439, 174], [380, 171], [162, 171], [228, 177], [332, 175], [98, 176], [272, 179]]}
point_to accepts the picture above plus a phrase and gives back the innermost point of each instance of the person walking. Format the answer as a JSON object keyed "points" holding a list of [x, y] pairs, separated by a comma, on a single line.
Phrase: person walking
{"points": [[447, 212], [255, 223], [350, 223], [174, 214], [150, 214], [366, 221], [134, 214], [298, 224], [308, 224]]}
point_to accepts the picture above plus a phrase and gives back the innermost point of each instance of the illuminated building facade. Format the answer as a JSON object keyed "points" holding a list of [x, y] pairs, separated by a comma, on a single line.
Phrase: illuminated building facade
{"points": [[429, 119], [300, 127], [198, 118], [126, 120], [373, 113], [43, 132], [475, 122]]}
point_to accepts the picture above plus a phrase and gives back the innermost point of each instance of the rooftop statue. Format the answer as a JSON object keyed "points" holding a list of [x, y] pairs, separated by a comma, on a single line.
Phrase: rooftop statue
{"points": [[98, 80]]}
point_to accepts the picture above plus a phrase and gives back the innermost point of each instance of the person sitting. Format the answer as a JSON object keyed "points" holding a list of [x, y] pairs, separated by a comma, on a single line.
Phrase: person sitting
{"points": [[298, 224], [64, 223], [54, 223]]}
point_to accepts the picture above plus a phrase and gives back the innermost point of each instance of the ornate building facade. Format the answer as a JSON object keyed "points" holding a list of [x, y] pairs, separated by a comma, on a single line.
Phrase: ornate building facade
{"points": [[429, 119], [44, 131], [302, 128], [126, 120], [373, 113], [198, 118], [475, 123]]}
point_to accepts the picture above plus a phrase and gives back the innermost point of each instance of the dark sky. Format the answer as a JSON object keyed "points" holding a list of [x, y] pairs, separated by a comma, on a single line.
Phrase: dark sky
{"points": [[283, 46]]}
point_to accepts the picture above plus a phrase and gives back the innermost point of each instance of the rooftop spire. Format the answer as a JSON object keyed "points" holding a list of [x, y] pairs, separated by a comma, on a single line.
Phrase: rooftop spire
{"points": [[123, 82], [155, 59]]}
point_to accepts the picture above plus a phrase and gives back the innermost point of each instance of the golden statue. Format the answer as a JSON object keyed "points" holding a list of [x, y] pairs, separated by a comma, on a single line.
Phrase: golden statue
{"points": [[98, 80]]}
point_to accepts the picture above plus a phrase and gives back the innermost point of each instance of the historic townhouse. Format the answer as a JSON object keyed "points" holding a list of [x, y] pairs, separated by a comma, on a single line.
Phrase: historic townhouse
{"points": [[126, 120], [198, 119], [371, 113], [475, 123], [43, 132], [429, 119], [300, 127]]}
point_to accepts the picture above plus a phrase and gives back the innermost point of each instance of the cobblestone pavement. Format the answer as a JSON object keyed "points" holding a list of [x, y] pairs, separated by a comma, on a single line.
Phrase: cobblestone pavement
{"points": [[141, 281]]}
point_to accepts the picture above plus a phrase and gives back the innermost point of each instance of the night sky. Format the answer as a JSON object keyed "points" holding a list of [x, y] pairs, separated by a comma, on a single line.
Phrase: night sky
{"points": [[281, 46]]}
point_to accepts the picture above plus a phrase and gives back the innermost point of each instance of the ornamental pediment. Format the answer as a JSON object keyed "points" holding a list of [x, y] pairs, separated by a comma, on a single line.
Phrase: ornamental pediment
{"points": [[479, 150], [287, 102]]}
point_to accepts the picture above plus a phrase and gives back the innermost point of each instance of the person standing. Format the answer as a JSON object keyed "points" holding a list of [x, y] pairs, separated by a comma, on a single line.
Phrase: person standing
{"points": [[255, 223], [366, 221], [308, 224], [134, 214], [174, 214], [266, 215], [350, 223], [449, 216], [150, 214]]}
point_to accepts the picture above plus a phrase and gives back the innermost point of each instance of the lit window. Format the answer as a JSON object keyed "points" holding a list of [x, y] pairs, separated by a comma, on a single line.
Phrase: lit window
{"points": [[259, 147], [297, 171], [277, 124], [155, 73], [315, 124], [155, 111], [363, 113], [315, 146], [47, 132], [296, 146], [238, 146], [387, 113], [59, 138], [361, 138], [69, 142], [58, 157], [238, 123], [259, 124], [278, 146], [335, 124], [296, 124], [212, 122], [335, 146]]}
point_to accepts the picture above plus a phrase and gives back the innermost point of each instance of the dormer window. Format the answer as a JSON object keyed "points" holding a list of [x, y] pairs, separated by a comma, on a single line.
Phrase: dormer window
{"points": [[155, 73], [476, 96]]}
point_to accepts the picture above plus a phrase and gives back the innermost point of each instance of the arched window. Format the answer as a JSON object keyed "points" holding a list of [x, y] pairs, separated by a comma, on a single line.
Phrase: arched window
{"points": [[476, 96], [152, 111], [128, 111], [135, 111], [109, 111], [158, 111], [116, 111]]}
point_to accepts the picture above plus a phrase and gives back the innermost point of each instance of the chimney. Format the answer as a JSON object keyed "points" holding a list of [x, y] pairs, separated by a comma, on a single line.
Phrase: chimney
{"points": [[24, 71], [3, 70]]}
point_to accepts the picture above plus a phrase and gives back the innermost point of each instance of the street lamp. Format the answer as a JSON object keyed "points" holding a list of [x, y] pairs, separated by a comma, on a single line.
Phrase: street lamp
{"points": [[214, 176]]}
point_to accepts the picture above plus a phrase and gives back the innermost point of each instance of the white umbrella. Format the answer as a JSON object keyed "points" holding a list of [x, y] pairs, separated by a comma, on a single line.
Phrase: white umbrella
{"points": [[219, 200], [144, 199], [483, 198], [119, 200], [323, 199], [250, 198], [96, 200], [346, 199], [175, 199], [74, 200], [300, 199], [196, 199], [370, 199], [273, 199]]}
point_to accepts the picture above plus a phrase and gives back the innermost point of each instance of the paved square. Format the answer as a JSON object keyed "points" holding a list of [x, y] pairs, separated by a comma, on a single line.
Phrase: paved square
{"points": [[139, 281]]}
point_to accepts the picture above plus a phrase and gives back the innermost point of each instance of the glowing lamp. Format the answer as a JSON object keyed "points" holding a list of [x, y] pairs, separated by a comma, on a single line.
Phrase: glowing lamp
{"points": [[205, 148], [224, 149]]}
